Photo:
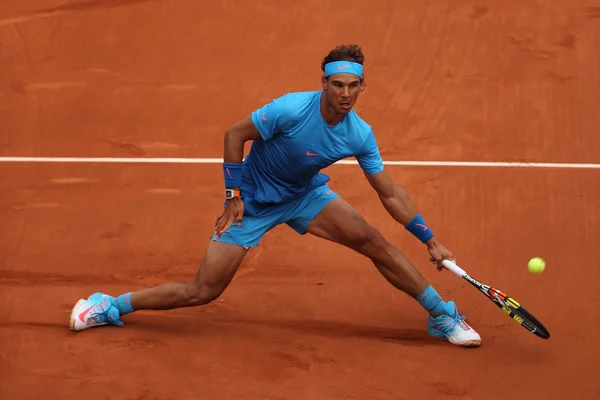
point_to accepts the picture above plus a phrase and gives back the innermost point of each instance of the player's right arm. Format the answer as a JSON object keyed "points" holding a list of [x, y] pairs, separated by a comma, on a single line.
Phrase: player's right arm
{"points": [[264, 123], [236, 137], [233, 154]]}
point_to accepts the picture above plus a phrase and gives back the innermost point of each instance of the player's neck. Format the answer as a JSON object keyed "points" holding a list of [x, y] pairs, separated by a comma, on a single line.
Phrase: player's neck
{"points": [[329, 114]]}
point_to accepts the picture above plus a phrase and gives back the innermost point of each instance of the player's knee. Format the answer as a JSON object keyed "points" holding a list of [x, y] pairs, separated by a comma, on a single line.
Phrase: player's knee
{"points": [[199, 293], [370, 241]]}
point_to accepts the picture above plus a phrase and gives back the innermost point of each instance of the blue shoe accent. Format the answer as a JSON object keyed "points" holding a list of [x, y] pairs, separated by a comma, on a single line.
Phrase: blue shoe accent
{"points": [[453, 327], [99, 297], [104, 312], [444, 325]]}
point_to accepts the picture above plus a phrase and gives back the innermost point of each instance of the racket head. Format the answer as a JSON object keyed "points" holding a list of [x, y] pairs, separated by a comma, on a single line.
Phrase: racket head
{"points": [[518, 313], [509, 305]]}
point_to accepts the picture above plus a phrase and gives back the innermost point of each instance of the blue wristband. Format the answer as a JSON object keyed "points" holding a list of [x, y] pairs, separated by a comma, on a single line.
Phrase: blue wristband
{"points": [[233, 175], [419, 228]]}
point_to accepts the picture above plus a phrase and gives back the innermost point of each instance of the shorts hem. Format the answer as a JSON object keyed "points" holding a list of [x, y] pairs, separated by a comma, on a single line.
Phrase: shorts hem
{"points": [[223, 239], [300, 228]]}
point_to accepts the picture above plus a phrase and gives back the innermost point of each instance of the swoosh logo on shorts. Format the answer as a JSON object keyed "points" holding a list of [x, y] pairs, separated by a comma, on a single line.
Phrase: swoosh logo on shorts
{"points": [[308, 153]]}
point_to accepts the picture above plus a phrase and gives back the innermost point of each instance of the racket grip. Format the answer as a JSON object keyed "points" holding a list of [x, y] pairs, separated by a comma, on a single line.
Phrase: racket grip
{"points": [[454, 268]]}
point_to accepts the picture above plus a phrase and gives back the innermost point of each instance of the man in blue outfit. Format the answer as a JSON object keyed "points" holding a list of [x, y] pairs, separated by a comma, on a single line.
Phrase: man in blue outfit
{"points": [[294, 137]]}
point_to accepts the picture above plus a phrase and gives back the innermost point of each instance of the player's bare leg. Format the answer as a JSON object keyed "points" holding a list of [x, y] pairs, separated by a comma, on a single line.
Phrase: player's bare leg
{"points": [[216, 271], [341, 223]]}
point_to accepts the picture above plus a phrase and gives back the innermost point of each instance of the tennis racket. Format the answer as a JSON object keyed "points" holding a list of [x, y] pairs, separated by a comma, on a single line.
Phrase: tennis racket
{"points": [[509, 305]]}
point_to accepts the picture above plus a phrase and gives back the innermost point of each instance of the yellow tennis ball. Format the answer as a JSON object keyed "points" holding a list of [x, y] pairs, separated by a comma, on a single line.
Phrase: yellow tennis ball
{"points": [[536, 265]]}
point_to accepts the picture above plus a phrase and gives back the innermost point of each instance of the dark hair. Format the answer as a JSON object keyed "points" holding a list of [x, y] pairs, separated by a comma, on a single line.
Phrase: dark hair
{"points": [[350, 52]]}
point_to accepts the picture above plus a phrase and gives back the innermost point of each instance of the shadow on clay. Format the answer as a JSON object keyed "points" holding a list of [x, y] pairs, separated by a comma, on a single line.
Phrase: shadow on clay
{"points": [[257, 328]]}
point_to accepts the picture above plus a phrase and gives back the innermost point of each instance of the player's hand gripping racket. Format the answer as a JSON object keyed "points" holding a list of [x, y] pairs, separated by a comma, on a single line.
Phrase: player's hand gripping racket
{"points": [[508, 304]]}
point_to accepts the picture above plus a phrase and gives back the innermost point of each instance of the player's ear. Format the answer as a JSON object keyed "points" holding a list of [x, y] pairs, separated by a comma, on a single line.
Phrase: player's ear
{"points": [[324, 82], [363, 84]]}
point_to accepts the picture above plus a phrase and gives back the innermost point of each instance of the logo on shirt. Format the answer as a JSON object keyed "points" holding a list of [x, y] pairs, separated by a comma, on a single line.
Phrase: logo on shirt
{"points": [[263, 116]]}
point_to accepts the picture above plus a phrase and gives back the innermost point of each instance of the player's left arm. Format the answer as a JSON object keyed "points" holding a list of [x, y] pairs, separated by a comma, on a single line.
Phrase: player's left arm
{"points": [[400, 206], [397, 202], [395, 199]]}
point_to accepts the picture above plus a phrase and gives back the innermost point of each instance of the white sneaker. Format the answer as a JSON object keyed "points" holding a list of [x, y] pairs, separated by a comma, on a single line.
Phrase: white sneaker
{"points": [[97, 310], [452, 327]]}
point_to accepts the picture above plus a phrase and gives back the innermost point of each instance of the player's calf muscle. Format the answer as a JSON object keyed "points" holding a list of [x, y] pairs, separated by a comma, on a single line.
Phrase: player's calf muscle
{"points": [[178, 294], [199, 293], [390, 262], [219, 265]]}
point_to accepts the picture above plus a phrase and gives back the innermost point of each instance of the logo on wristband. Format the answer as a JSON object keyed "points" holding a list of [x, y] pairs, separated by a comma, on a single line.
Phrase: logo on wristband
{"points": [[422, 226]]}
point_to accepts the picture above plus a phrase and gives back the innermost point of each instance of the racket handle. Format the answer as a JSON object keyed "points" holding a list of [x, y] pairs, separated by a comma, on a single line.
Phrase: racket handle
{"points": [[454, 268]]}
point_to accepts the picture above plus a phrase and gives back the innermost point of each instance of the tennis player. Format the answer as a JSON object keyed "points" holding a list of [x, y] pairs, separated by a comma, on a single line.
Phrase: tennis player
{"points": [[293, 138]]}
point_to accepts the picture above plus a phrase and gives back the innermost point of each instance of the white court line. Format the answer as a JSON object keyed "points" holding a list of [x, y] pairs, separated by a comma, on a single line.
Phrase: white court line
{"points": [[140, 160]]}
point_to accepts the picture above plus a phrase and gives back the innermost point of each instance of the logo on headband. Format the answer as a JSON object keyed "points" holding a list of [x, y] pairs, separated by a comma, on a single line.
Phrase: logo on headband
{"points": [[345, 67]]}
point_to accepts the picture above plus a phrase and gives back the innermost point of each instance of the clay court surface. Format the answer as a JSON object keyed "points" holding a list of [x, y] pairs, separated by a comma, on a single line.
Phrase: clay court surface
{"points": [[303, 319]]}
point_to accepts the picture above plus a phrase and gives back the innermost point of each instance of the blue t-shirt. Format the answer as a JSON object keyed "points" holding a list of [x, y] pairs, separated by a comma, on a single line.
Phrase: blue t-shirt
{"points": [[297, 143]]}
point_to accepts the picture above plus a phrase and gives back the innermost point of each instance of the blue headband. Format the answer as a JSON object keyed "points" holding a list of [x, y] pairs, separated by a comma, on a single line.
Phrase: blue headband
{"points": [[343, 67]]}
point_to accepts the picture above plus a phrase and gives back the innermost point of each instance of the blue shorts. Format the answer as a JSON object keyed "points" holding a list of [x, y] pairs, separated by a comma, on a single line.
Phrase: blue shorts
{"points": [[297, 214]]}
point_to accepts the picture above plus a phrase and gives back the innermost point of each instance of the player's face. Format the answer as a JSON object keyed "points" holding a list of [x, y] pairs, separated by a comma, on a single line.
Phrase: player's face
{"points": [[342, 91]]}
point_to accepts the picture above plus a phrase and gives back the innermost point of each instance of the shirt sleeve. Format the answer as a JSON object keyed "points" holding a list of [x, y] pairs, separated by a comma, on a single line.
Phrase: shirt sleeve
{"points": [[369, 157], [273, 118]]}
